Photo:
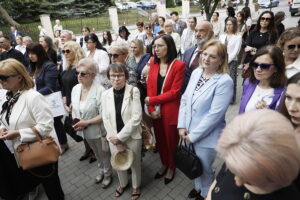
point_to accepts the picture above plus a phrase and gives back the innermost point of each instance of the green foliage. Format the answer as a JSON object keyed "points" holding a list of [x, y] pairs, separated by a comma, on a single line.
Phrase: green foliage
{"points": [[170, 3]]}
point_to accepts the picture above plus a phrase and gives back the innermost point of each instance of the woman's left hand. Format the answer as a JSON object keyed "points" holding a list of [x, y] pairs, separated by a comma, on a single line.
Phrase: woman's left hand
{"points": [[187, 139], [113, 139], [9, 134], [147, 101]]}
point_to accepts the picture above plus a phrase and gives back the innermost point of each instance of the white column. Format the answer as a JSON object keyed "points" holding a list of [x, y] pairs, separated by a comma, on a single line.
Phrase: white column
{"points": [[185, 9], [161, 8], [113, 17], [46, 23]]}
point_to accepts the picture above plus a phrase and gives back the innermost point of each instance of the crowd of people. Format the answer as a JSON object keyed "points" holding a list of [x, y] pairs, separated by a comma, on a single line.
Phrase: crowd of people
{"points": [[178, 78]]}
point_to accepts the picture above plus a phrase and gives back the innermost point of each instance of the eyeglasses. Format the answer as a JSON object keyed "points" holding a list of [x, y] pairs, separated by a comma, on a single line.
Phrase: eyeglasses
{"points": [[158, 46], [67, 51], [90, 42], [265, 19], [114, 55], [263, 66], [115, 76], [82, 74], [293, 46], [4, 78]]}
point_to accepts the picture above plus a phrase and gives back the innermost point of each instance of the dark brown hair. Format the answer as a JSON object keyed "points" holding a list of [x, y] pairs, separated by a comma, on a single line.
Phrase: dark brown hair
{"points": [[234, 23], [278, 79], [42, 56]]}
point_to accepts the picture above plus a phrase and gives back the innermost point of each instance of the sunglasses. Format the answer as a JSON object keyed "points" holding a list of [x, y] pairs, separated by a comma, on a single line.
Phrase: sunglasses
{"points": [[147, 27], [4, 78], [67, 51], [263, 66], [114, 55], [293, 46], [265, 19], [82, 74]]}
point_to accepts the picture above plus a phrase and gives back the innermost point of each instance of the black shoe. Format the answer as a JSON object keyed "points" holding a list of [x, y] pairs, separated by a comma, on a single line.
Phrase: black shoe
{"points": [[169, 180], [199, 197], [193, 193], [158, 175], [86, 156], [92, 159]]}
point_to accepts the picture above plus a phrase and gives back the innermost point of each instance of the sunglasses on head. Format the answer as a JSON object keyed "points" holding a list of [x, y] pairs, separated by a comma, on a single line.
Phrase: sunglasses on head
{"points": [[67, 51], [4, 78], [265, 19], [114, 55], [293, 46], [263, 66], [82, 74]]}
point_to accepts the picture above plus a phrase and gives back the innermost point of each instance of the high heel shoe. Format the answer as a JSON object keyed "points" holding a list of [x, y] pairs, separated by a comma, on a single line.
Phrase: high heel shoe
{"points": [[86, 155], [169, 180], [158, 175]]}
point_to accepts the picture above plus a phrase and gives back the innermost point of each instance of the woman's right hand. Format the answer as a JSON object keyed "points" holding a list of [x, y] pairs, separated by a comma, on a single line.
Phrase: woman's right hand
{"points": [[182, 132], [68, 109], [155, 115]]}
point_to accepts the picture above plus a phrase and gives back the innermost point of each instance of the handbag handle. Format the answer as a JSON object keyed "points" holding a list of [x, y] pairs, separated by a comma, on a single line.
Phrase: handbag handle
{"points": [[36, 132], [190, 146]]}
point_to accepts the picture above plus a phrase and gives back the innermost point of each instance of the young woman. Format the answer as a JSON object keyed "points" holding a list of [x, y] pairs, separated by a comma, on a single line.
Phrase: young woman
{"points": [[45, 74], [48, 45], [99, 54], [164, 83], [233, 42], [266, 82], [106, 39]]}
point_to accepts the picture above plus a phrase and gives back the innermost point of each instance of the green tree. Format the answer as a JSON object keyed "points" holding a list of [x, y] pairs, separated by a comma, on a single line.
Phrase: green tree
{"points": [[170, 4], [209, 7]]}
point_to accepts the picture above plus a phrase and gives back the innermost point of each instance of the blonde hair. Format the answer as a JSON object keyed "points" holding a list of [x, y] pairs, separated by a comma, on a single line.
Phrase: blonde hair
{"points": [[14, 67], [79, 53], [89, 64], [140, 46], [221, 52], [120, 46], [260, 148]]}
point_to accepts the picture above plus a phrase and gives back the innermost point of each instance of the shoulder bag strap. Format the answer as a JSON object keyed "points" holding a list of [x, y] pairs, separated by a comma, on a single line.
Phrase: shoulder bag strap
{"points": [[35, 131], [169, 69]]}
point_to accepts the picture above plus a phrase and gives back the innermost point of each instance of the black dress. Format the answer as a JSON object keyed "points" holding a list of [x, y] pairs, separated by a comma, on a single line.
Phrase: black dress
{"points": [[118, 97], [68, 81], [226, 189], [257, 40]]}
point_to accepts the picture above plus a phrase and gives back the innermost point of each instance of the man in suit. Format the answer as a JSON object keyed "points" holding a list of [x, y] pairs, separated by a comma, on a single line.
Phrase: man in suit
{"points": [[13, 34], [203, 33], [9, 51], [178, 25]]}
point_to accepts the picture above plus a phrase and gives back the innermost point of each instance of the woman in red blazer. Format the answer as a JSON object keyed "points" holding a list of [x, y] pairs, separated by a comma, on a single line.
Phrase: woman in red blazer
{"points": [[163, 89]]}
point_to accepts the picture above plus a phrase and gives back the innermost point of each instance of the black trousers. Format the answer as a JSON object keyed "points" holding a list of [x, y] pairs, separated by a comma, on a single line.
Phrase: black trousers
{"points": [[60, 131], [14, 181]]}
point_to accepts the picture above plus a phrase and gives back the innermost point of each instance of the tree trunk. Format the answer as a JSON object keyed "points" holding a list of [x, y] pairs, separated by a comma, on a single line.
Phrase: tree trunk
{"points": [[4, 15]]}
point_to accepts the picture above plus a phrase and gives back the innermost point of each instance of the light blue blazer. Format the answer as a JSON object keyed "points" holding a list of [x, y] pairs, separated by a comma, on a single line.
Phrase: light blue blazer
{"points": [[91, 109], [203, 114]]}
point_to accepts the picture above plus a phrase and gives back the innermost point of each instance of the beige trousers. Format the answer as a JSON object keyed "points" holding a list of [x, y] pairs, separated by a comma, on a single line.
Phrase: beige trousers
{"points": [[136, 147], [103, 157]]}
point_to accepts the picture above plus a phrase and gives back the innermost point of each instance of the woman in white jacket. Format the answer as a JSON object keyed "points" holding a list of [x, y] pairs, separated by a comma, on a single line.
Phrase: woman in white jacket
{"points": [[233, 41], [97, 52], [25, 109]]}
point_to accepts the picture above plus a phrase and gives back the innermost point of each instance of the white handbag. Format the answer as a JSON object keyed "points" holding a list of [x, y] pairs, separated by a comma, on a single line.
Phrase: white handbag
{"points": [[56, 103], [157, 107]]}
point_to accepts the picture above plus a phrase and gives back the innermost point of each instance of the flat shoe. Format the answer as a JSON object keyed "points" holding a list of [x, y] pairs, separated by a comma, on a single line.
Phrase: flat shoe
{"points": [[118, 192], [106, 181], [193, 193], [92, 159], [135, 196], [99, 178]]}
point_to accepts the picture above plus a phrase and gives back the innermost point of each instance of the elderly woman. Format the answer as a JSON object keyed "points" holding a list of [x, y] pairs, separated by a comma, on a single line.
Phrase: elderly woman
{"points": [[73, 53], [261, 159], [266, 82], [176, 37], [97, 52], [122, 114], [164, 83], [86, 107], [202, 110], [136, 52], [289, 43], [24, 110]]}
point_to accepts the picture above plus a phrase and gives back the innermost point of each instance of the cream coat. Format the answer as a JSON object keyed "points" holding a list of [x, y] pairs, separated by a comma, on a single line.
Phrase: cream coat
{"points": [[91, 109], [30, 110], [131, 114]]}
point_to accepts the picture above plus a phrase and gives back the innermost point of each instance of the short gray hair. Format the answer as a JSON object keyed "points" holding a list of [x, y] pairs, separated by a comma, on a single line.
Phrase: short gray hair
{"points": [[120, 46], [89, 64], [27, 38]]}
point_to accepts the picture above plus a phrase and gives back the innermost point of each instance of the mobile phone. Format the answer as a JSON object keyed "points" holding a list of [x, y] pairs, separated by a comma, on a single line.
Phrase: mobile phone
{"points": [[75, 120]]}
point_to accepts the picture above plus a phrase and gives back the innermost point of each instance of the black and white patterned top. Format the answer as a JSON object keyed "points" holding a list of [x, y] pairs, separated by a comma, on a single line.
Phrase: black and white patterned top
{"points": [[201, 82]]}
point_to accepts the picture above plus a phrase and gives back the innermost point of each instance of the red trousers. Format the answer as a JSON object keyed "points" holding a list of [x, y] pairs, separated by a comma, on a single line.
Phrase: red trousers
{"points": [[167, 139]]}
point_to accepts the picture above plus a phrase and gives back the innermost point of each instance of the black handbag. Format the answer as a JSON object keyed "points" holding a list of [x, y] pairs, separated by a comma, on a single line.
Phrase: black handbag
{"points": [[186, 160], [68, 126]]}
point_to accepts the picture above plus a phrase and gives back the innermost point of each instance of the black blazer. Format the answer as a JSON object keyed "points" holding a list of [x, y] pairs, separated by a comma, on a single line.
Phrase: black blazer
{"points": [[187, 56], [47, 81]]}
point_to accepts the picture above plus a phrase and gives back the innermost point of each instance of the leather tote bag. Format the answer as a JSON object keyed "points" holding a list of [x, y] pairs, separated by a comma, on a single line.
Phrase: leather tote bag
{"points": [[41, 152], [186, 160]]}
